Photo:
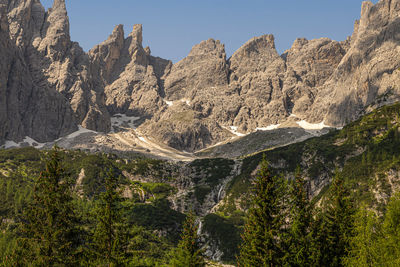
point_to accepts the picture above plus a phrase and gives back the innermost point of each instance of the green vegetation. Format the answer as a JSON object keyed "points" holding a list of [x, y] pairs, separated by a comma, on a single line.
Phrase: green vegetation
{"points": [[51, 221], [188, 252], [363, 160], [263, 238], [224, 233]]}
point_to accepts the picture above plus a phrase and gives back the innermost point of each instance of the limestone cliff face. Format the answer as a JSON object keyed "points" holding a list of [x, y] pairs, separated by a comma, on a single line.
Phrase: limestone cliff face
{"points": [[131, 77], [370, 69], [28, 104], [191, 104], [54, 61]]}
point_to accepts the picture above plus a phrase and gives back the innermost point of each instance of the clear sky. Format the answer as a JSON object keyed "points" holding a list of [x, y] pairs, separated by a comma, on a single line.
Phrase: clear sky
{"points": [[172, 27]]}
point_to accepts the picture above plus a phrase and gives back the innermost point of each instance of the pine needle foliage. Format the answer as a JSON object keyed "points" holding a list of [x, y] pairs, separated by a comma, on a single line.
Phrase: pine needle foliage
{"points": [[188, 253], [262, 240], [48, 233]]}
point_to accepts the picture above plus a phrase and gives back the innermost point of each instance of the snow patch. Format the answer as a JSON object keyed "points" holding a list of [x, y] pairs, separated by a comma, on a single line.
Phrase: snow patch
{"points": [[234, 130], [293, 116], [141, 138], [119, 120], [312, 126], [268, 128], [10, 144], [187, 101], [33, 142], [79, 132], [27, 140], [169, 103]]}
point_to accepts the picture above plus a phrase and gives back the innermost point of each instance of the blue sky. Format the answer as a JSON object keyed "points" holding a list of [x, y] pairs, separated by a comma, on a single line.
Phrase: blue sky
{"points": [[172, 27]]}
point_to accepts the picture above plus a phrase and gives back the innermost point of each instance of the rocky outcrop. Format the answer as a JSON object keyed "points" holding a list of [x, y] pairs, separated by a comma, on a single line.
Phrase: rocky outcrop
{"points": [[309, 64], [132, 78], [203, 68], [28, 106], [193, 104], [368, 71], [55, 61]]}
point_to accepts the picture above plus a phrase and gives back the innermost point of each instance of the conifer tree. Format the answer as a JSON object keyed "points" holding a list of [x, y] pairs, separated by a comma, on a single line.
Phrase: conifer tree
{"points": [[264, 229], [299, 236], [336, 228], [188, 253], [49, 233], [391, 233], [365, 248], [110, 237]]}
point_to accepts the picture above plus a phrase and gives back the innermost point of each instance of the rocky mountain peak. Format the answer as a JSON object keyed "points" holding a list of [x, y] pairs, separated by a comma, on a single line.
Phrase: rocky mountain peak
{"points": [[137, 34], [209, 47], [257, 54], [203, 68], [197, 101], [117, 34]]}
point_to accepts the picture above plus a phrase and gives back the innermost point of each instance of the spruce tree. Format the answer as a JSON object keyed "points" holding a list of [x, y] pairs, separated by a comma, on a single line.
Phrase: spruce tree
{"points": [[365, 244], [188, 252], [110, 237], [390, 241], [264, 229], [336, 227], [299, 234], [49, 233]]}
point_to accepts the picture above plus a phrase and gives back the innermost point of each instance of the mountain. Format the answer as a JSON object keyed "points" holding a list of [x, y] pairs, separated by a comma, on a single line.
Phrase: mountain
{"points": [[365, 152], [200, 101]]}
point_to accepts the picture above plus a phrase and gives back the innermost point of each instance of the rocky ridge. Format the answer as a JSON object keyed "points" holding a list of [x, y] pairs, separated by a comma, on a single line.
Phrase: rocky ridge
{"points": [[196, 102]]}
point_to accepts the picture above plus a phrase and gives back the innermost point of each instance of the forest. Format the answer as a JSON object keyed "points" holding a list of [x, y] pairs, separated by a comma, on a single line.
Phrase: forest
{"points": [[51, 217]]}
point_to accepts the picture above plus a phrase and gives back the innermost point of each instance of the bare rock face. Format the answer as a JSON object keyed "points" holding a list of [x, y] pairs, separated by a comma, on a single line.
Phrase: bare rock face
{"points": [[132, 78], [368, 71], [204, 67], [193, 87], [55, 61], [184, 129], [48, 84], [27, 107], [257, 71], [309, 64]]}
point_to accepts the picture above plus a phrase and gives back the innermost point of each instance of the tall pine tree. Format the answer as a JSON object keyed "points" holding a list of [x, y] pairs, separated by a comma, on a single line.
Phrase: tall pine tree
{"points": [[335, 226], [299, 234], [49, 233], [262, 240], [365, 247], [110, 239], [188, 252]]}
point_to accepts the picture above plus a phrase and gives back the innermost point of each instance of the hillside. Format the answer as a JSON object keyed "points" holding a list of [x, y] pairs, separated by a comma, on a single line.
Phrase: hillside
{"points": [[365, 152], [53, 88]]}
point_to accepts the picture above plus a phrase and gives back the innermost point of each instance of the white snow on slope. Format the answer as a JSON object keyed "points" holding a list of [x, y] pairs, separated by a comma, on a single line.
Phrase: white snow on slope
{"points": [[79, 132], [33, 142], [268, 128], [169, 103], [27, 140], [233, 130], [10, 144], [312, 126], [184, 100]]}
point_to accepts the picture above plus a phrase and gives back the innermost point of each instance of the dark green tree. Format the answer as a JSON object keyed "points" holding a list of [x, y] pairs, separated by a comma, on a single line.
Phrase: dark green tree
{"points": [[188, 253], [49, 235], [335, 226], [365, 246], [390, 240], [110, 238], [262, 240], [299, 234]]}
